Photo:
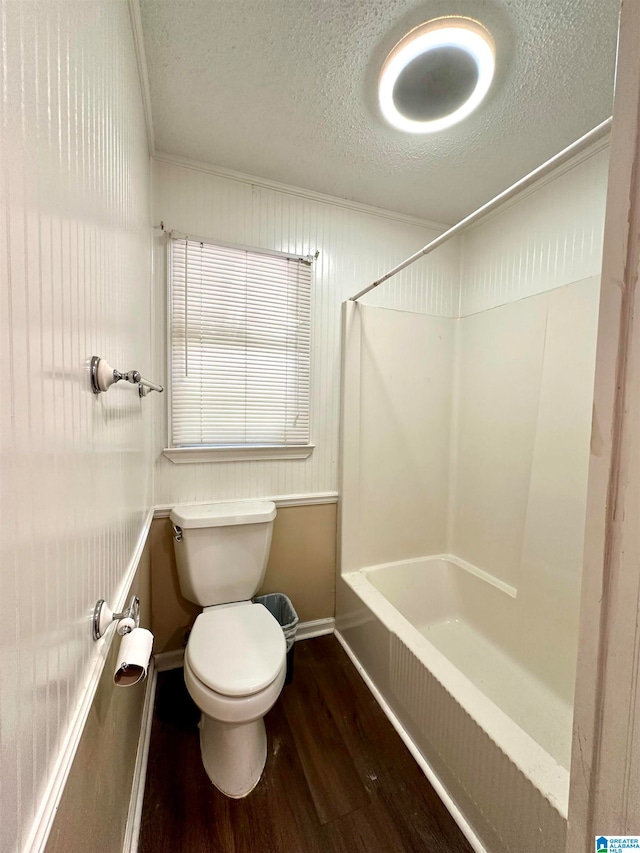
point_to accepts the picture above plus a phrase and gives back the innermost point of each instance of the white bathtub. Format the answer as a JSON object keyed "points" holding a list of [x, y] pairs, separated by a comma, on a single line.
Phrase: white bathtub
{"points": [[484, 695]]}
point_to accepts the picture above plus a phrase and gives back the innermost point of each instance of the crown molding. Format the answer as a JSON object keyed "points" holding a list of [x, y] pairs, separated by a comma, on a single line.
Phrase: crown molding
{"points": [[312, 195], [141, 62]]}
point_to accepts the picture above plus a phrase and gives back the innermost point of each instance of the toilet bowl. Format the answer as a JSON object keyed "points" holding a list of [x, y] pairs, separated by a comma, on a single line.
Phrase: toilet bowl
{"points": [[235, 659], [234, 669]]}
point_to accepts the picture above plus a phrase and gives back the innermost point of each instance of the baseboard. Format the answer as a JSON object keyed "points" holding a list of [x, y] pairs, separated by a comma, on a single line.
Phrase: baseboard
{"points": [[306, 630], [424, 765], [315, 628], [169, 660], [134, 817]]}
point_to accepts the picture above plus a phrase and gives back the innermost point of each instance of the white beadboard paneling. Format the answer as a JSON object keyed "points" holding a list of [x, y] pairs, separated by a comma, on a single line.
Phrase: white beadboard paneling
{"points": [[549, 237], [512, 812], [75, 469], [355, 248], [546, 238]]}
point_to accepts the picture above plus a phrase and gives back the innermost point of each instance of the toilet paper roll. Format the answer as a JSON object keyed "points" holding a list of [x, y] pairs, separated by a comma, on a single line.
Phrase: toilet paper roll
{"points": [[133, 657], [126, 625]]}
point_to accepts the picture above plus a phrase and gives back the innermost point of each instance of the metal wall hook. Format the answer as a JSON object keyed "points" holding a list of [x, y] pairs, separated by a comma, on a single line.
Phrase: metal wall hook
{"points": [[103, 376], [103, 616]]}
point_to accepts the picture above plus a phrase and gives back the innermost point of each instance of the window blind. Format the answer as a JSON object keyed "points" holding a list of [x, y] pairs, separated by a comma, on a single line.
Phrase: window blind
{"points": [[240, 346]]}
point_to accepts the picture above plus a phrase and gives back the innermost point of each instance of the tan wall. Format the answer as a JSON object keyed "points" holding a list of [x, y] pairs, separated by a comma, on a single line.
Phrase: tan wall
{"points": [[92, 814], [301, 564]]}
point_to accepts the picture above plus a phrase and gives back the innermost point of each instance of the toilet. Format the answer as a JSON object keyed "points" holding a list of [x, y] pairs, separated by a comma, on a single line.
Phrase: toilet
{"points": [[235, 660]]}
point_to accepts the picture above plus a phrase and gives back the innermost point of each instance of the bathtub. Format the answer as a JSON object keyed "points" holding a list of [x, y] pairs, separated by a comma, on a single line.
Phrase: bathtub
{"points": [[482, 694]]}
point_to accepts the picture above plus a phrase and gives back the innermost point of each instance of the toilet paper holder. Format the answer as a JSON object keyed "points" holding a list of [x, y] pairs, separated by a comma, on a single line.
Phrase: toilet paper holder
{"points": [[103, 616]]}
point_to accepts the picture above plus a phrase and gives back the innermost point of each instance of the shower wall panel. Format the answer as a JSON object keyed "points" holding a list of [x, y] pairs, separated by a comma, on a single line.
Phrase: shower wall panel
{"points": [[499, 356], [404, 437], [521, 434]]}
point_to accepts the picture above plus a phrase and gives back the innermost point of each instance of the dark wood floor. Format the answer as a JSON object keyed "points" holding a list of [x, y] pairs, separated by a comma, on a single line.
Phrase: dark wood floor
{"points": [[338, 777]]}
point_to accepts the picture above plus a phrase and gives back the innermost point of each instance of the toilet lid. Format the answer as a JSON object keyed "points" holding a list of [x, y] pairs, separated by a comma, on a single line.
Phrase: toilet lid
{"points": [[236, 650]]}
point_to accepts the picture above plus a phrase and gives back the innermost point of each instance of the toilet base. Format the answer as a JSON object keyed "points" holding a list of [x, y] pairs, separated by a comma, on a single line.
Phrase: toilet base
{"points": [[233, 754]]}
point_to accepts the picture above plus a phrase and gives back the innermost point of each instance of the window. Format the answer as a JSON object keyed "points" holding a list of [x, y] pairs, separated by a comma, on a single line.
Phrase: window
{"points": [[239, 349]]}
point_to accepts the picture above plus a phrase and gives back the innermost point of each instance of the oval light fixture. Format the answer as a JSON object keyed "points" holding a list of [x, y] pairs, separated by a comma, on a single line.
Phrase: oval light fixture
{"points": [[436, 75]]}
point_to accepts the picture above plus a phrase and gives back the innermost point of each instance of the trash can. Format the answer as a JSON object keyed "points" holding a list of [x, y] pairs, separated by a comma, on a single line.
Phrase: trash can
{"points": [[280, 607]]}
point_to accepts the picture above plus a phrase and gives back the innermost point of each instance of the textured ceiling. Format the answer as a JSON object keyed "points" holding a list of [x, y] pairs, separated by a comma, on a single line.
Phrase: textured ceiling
{"points": [[286, 90]]}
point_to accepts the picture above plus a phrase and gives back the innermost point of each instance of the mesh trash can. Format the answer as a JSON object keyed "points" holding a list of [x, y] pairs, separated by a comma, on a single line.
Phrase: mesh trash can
{"points": [[280, 607]]}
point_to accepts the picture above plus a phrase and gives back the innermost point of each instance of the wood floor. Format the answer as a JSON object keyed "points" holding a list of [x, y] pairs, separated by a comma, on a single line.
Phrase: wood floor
{"points": [[338, 777]]}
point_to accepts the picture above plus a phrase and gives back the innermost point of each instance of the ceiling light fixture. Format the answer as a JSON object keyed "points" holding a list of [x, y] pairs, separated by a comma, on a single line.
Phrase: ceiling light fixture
{"points": [[436, 75]]}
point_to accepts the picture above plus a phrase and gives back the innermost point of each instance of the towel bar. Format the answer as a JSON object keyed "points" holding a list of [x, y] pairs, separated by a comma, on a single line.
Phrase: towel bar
{"points": [[103, 376]]}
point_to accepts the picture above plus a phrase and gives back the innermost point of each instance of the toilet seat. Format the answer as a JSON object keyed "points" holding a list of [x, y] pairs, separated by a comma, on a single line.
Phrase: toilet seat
{"points": [[236, 650], [235, 710]]}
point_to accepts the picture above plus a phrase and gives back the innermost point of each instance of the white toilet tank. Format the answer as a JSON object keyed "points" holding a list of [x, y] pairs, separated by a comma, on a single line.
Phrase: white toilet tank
{"points": [[222, 549]]}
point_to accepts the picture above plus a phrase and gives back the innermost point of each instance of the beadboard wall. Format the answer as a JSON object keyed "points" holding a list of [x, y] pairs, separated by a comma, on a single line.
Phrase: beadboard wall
{"points": [[76, 470], [356, 245], [548, 236], [93, 813]]}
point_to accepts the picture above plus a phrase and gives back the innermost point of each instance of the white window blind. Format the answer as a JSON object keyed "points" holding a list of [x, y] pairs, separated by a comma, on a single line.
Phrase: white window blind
{"points": [[240, 347]]}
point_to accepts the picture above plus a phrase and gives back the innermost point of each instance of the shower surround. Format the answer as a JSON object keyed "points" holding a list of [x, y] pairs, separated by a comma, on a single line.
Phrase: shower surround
{"points": [[465, 451]]}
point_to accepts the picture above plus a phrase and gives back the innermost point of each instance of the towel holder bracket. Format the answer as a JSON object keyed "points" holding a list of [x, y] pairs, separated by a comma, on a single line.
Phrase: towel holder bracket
{"points": [[103, 376]]}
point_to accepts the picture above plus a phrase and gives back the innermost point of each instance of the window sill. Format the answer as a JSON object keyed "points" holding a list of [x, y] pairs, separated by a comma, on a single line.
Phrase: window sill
{"points": [[182, 455]]}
